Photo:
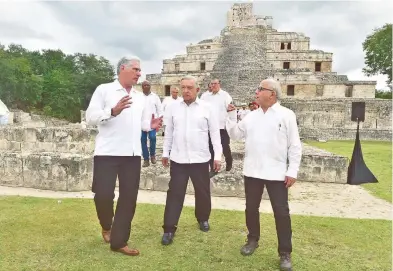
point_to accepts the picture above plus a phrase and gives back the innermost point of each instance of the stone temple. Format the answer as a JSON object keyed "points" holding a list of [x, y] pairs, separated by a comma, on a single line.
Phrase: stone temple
{"points": [[248, 50]]}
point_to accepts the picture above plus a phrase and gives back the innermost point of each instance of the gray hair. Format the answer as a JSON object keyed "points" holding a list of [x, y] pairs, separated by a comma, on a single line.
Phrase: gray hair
{"points": [[127, 60], [190, 77], [275, 86]]}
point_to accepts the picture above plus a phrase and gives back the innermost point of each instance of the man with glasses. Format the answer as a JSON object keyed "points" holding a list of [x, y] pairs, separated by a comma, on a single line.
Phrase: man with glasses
{"points": [[219, 100], [273, 153]]}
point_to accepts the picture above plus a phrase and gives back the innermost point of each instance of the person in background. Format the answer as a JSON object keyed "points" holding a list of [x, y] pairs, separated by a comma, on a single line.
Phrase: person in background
{"points": [[186, 145], [273, 153], [219, 100], [174, 97], [4, 113], [209, 90], [243, 112], [154, 101], [253, 106], [120, 112]]}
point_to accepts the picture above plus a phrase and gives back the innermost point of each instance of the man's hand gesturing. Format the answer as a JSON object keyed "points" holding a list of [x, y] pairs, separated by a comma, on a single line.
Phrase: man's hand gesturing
{"points": [[123, 103]]}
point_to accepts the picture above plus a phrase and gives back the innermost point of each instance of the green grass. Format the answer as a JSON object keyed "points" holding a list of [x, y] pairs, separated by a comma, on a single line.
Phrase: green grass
{"points": [[378, 158], [42, 234]]}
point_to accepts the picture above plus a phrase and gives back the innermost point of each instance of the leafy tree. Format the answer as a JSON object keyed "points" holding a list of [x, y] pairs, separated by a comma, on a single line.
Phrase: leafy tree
{"points": [[378, 49], [381, 94], [50, 82]]}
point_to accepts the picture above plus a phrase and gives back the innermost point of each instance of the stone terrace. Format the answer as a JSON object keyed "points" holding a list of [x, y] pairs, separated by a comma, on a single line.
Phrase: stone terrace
{"points": [[60, 159]]}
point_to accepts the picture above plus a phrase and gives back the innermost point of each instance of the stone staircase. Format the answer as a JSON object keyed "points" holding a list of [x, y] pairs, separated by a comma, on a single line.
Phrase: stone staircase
{"points": [[242, 63]]}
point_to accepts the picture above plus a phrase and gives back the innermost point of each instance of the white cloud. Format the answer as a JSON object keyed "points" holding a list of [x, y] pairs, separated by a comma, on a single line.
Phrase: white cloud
{"points": [[159, 30]]}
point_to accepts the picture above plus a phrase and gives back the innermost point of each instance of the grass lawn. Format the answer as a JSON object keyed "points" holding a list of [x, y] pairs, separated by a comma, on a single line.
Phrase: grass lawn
{"points": [[42, 234], [378, 158]]}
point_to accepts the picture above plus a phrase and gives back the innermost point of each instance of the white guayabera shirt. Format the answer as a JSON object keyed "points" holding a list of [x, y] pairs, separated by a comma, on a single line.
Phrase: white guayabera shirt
{"points": [[120, 135], [166, 103], [271, 139], [219, 103], [187, 133]]}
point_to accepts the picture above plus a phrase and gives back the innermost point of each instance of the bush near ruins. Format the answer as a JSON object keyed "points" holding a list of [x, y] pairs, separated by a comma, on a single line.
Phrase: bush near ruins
{"points": [[50, 81], [383, 94], [378, 49]]}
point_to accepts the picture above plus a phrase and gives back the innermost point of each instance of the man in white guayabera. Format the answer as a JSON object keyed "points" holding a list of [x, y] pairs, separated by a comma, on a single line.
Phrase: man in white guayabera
{"points": [[120, 113], [273, 153], [186, 145]]}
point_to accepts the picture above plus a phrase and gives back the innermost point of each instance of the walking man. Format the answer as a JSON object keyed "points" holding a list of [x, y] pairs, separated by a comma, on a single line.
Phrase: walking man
{"points": [[119, 112], [272, 138], [152, 100], [219, 100], [186, 144]]}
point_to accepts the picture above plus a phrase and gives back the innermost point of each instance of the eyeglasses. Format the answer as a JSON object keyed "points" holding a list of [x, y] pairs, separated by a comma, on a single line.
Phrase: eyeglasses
{"points": [[262, 89]]}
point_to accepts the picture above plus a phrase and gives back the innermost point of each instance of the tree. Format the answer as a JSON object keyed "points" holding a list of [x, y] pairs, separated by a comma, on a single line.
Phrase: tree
{"points": [[383, 94], [50, 82], [378, 49]]}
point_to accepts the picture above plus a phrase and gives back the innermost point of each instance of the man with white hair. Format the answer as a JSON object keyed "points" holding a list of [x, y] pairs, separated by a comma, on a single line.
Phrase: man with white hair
{"points": [[120, 112], [273, 153], [166, 103], [189, 124]]}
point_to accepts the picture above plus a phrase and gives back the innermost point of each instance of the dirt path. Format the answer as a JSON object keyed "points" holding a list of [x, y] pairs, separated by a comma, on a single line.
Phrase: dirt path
{"points": [[333, 200]]}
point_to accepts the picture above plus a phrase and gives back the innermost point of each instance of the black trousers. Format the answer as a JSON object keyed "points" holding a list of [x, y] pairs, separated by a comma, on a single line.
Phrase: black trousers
{"points": [[106, 170], [180, 173], [226, 149], [278, 195]]}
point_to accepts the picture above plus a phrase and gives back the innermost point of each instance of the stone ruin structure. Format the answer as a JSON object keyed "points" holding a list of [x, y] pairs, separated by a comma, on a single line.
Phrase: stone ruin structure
{"points": [[249, 49], [43, 153]]}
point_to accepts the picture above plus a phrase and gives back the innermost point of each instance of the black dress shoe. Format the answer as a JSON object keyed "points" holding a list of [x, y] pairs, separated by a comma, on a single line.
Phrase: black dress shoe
{"points": [[212, 174], [249, 248], [228, 167], [285, 262], [167, 238], [204, 226]]}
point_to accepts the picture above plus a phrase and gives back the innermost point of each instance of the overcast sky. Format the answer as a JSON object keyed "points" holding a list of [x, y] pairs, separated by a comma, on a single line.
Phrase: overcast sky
{"points": [[158, 30]]}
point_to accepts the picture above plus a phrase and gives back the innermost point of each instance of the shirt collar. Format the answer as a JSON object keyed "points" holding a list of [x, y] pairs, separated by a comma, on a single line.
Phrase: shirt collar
{"points": [[218, 92], [197, 101], [275, 106], [120, 87]]}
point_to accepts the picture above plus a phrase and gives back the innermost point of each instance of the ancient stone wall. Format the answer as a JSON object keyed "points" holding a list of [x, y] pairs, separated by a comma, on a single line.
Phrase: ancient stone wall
{"points": [[60, 158], [331, 118]]}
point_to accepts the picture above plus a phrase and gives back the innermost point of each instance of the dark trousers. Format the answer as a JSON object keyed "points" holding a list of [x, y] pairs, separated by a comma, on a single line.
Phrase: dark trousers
{"points": [[106, 170], [278, 195], [145, 150], [180, 173], [226, 149]]}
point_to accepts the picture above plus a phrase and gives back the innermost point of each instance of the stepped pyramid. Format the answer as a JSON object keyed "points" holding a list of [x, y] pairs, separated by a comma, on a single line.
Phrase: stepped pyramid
{"points": [[242, 63], [249, 50]]}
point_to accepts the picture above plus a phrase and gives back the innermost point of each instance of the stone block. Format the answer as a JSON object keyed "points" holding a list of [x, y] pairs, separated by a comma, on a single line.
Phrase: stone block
{"points": [[58, 172], [160, 183], [11, 169]]}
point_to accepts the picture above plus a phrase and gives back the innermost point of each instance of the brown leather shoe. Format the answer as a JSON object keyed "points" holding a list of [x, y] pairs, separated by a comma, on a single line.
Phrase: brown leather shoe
{"points": [[127, 251], [106, 235], [153, 160]]}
